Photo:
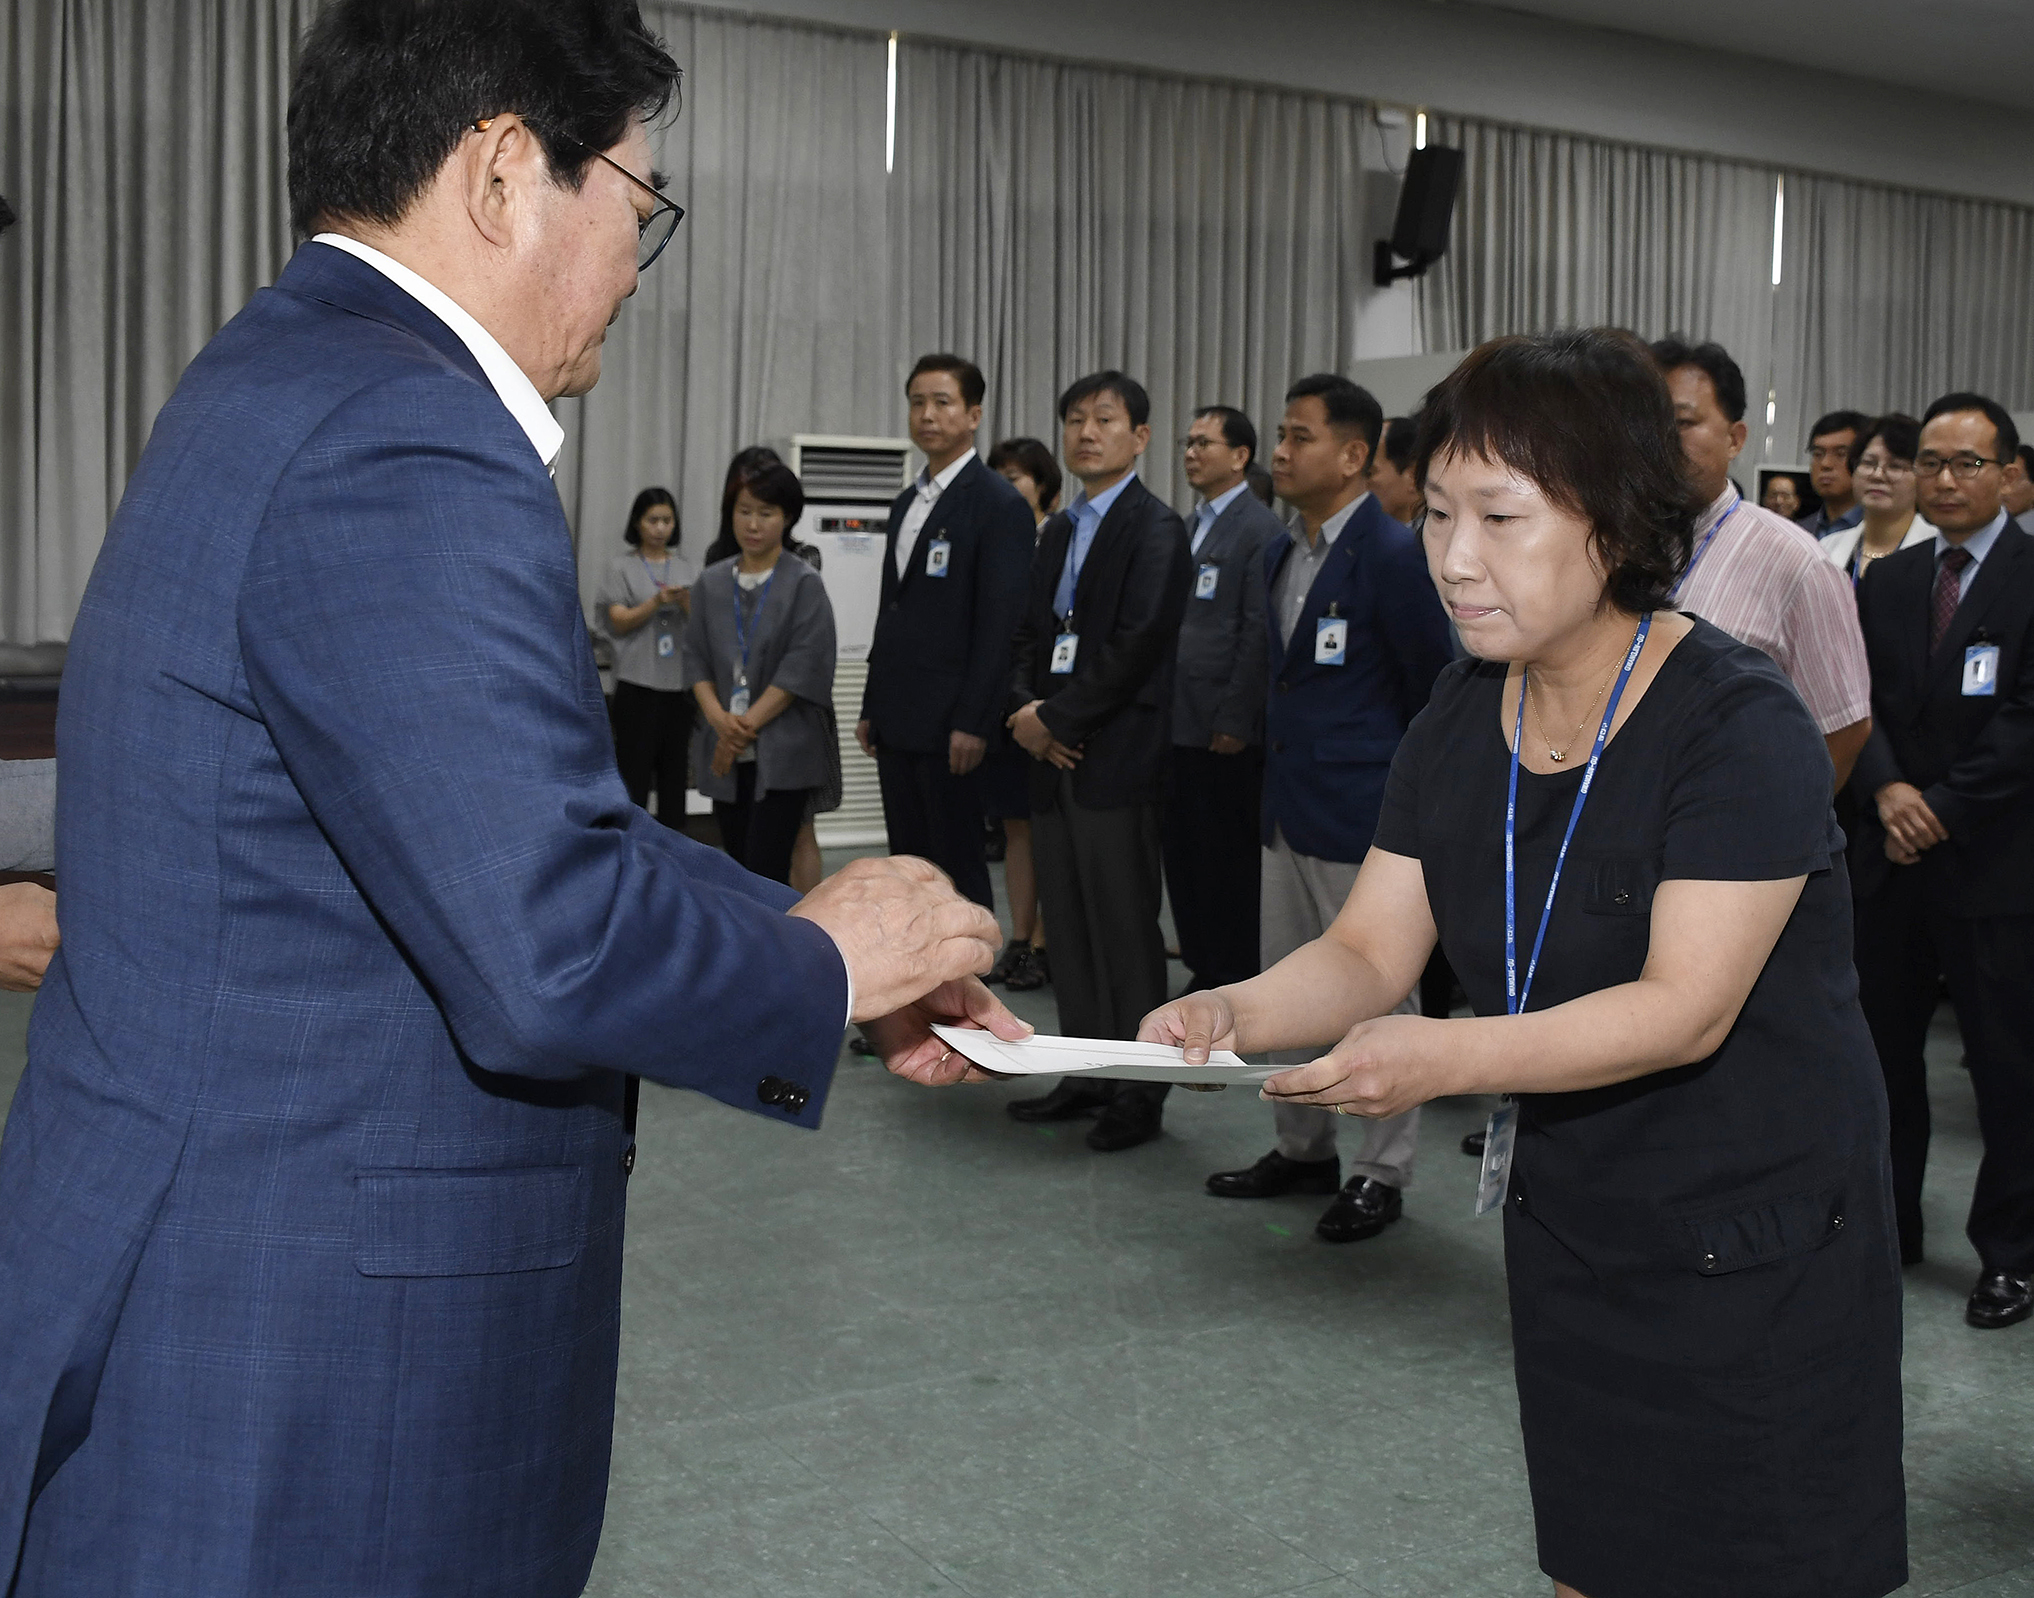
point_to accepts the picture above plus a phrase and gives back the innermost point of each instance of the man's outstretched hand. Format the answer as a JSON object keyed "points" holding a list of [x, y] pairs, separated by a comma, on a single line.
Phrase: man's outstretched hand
{"points": [[910, 1048], [902, 929]]}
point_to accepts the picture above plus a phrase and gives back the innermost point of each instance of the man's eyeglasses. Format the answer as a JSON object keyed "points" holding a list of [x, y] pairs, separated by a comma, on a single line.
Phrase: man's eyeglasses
{"points": [[1965, 467], [654, 231]]}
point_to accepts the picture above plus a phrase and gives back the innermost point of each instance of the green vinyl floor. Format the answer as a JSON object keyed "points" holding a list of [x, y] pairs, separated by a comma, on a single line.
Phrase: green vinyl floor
{"points": [[927, 1350]]}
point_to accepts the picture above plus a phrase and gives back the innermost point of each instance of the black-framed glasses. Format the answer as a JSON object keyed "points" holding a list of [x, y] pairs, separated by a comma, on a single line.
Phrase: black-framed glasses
{"points": [[1964, 466], [654, 231]]}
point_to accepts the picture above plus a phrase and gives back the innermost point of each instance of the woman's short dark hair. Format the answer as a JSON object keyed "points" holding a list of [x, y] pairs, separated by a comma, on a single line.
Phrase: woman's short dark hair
{"points": [[386, 89], [648, 500], [1585, 416], [746, 463], [1901, 432], [773, 483], [1035, 461]]}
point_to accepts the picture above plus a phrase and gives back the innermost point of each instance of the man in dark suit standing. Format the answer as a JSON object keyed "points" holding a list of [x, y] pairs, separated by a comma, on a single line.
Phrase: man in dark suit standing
{"points": [[939, 668], [1091, 701], [1218, 709], [1357, 637], [1943, 858]]}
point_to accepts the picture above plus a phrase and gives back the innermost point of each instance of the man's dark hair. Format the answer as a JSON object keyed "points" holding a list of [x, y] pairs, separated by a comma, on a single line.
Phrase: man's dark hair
{"points": [[1900, 431], [2026, 454], [1237, 431], [1127, 389], [1838, 422], [1260, 482], [1350, 408], [1401, 437], [1585, 416], [1674, 352], [972, 386], [6, 214], [1035, 461], [1995, 413], [648, 500], [386, 89]]}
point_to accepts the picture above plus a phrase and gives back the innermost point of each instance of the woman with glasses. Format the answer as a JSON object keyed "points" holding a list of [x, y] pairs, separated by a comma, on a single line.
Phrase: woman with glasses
{"points": [[760, 656], [1882, 468], [644, 599]]}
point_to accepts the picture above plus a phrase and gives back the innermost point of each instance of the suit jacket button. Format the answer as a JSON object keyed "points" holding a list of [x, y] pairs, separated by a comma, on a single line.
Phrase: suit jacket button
{"points": [[628, 1160], [796, 1098], [771, 1089], [1278, 746]]}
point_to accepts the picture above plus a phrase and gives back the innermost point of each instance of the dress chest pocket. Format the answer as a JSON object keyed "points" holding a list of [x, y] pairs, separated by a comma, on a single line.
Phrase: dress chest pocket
{"points": [[1620, 885]]}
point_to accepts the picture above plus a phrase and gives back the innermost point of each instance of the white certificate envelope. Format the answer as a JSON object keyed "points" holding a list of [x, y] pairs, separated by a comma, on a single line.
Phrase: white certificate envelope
{"points": [[1039, 1055]]}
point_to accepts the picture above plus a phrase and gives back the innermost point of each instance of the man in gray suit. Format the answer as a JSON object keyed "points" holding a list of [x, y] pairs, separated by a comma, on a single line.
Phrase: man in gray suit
{"points": [[28, 927], [1211, 866]]}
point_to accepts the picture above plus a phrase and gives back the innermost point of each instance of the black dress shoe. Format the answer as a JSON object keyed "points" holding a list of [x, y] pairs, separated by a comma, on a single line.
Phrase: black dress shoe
{"points": [[1128, 1121], [1999, 1299], [1472, 1144], [1069, 1101], [1031, 973], [1362, 1209], [1275, 1174]]}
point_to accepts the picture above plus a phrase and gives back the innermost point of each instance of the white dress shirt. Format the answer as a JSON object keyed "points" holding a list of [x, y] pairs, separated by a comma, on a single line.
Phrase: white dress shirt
{"points": [[929, 489], [518, 394], [1211, 510]]}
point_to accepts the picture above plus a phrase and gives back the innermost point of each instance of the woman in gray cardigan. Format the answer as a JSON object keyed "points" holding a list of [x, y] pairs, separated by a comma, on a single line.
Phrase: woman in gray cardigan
{"points": [[759, 654]]}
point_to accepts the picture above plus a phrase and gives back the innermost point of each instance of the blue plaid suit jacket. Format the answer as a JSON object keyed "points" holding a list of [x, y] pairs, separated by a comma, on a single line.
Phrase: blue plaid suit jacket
{"points": [[311, 1198]]}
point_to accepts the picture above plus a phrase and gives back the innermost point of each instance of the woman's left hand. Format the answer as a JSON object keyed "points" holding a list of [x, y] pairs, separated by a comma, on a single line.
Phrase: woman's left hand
{"points": [[1382, 1067]]}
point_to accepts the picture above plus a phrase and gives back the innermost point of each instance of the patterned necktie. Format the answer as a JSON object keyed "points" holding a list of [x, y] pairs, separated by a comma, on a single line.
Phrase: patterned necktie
{"points": [[1948, 593]]}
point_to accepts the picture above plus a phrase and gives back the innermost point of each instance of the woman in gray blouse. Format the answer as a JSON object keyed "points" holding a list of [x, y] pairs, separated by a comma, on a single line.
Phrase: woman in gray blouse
{"points": [[759, 654], [644, 599]]}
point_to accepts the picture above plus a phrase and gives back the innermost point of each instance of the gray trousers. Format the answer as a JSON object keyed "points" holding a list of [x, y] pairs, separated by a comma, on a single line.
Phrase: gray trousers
{"points": [[1100, 882], [1301, 898]]}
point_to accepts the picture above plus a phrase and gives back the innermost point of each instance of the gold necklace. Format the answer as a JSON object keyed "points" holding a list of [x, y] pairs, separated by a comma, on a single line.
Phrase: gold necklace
{"points": [[1560, 755]]}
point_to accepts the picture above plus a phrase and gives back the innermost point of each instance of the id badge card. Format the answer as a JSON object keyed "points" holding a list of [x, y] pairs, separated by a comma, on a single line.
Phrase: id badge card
{"points": [[1981, 671], [1205, 581], [1063, 648], [666, 646], [937, 554], [738, 701], [1331, 641], [1498, 1139]]}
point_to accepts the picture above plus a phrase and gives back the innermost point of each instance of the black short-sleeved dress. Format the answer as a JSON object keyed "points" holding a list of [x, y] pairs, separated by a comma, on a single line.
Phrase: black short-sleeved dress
{"points": [[1705, 1289]]}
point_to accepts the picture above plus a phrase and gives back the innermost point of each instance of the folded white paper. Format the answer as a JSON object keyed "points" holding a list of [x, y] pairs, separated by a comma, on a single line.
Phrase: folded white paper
{"points": [[1039, 1055]]}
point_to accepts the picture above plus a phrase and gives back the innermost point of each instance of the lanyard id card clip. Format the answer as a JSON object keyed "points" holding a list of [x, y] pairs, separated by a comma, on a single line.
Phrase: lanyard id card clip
{"points": [[1205, 580], [667, 646], [1498, 1138], [1331, 639], [1063, 649], [937, 554], [1981, 671]]}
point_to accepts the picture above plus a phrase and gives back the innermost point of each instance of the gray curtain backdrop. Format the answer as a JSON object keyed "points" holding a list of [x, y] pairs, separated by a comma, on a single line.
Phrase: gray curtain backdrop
{"points": [[1045, 217], [1887, 297]]}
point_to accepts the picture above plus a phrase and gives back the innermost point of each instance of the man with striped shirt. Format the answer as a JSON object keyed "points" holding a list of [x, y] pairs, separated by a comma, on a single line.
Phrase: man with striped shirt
{"points": [[1755, 574]]}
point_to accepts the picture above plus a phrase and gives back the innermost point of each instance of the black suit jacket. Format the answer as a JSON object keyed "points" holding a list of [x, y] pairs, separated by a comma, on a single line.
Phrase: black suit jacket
{"points": [[940, 661], [1972, 756], [1116, 704]]}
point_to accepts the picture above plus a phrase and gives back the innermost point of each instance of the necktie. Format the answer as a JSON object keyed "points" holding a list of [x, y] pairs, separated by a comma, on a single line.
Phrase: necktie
{"points": [[1948, 593]]}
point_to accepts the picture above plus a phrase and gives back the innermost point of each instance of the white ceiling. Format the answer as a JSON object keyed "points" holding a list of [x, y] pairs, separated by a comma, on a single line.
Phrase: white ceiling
{"points": [[1971, 49]]}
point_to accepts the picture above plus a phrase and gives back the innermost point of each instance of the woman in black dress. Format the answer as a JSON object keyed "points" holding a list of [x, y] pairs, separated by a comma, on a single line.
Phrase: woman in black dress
{"points": [[1704, 1288]]}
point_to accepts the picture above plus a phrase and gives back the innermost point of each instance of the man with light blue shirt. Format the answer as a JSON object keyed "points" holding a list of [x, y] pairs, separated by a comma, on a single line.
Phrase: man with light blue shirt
{"points": [[1218, 709], [1091, 697]]}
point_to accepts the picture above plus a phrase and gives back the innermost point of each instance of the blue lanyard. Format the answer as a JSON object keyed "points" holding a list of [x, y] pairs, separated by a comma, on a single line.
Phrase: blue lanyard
{"points": [[1514, 996], [654, 578], [1702, 548], [743, 637]]}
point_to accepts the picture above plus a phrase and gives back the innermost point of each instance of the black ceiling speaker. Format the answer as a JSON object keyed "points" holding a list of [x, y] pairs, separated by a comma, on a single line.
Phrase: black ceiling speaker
{"points": [[6, 214], [1426, 205]]}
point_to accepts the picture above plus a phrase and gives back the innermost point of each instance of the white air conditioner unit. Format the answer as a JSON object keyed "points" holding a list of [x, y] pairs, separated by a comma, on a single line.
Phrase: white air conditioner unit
{"points": [[854, 471]]}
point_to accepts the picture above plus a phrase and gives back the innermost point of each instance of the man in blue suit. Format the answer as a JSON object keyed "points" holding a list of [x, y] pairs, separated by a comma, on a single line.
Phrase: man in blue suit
{"points": [[1356, 638], [311, 1198]]}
